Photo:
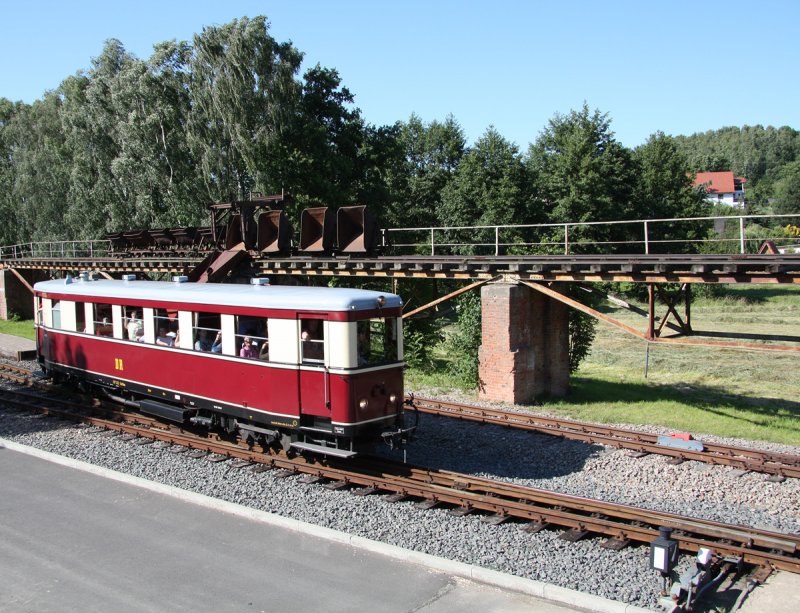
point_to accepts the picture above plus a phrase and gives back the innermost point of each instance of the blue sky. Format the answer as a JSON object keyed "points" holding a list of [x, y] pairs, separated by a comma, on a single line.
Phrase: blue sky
{"points": [[675, 66]]}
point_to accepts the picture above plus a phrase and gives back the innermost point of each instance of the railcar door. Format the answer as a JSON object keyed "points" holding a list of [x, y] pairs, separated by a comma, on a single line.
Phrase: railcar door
{"points": [[314, 381]]}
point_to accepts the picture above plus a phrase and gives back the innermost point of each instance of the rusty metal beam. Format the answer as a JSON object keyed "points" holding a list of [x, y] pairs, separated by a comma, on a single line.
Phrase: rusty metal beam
{"points": [[671, 341], [617, 301], [539, 287], [22, 279], [449, 296]]}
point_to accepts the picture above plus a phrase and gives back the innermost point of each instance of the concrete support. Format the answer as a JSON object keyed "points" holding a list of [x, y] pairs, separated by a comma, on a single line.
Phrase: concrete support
{"points": [[524, 353], [15, 296]]}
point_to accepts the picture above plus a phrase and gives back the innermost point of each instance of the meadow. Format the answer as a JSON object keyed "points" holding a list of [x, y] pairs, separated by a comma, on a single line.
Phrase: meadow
{"points": [[728, 392]]}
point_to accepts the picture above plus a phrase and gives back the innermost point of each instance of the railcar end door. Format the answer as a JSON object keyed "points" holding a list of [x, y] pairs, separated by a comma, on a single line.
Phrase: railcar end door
{"points": [[314, 380]]}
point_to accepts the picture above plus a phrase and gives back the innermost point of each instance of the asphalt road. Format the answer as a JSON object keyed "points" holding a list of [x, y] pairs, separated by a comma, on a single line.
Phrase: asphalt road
{"points": [[74, 541]]}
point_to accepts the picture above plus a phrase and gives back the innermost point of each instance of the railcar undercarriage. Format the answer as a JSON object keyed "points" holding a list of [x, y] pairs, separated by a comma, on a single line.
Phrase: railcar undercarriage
{"points": [[308, 435]]}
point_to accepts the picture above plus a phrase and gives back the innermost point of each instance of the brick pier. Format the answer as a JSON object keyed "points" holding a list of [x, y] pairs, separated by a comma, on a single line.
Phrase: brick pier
{"points": [[525, 348]]}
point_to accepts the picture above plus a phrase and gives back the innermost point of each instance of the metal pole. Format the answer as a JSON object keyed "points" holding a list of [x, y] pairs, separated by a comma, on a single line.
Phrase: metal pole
{"points": [[646, 359], [497, 240], [566, 239], [646, 239], [433, 250], [741, 235]]}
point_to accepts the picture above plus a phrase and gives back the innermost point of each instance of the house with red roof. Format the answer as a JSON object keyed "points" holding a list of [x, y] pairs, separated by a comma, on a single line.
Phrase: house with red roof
{"points": [[722, 187]]}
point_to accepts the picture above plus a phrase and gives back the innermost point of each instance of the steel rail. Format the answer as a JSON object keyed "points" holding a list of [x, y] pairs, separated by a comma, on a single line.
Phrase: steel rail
{"points": [[743, 458], [621, 523], [784, 465], [15, 374]]}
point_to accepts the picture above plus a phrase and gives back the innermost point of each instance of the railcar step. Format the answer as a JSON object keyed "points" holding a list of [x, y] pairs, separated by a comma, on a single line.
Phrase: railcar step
{"points": [[338, 453]]}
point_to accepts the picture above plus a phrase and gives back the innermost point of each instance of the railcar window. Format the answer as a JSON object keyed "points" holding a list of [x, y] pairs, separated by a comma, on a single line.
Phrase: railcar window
{"points": [[134, 326], [39, 311], [312, 340], [377, 341], [80, 317], [206, 332], [252, 339], [56, 310], [102, 320], [166, 327]]}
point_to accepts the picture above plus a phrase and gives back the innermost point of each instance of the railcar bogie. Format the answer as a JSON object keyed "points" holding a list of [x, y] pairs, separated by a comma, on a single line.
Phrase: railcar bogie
{"points": [[310, 369]]}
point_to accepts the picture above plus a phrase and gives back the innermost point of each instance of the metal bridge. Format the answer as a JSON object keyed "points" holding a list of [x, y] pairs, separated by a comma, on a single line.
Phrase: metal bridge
{"points": [[253, 238]]}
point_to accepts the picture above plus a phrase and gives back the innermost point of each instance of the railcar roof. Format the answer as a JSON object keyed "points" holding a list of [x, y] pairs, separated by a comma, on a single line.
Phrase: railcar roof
{"points": [[227, 294]]}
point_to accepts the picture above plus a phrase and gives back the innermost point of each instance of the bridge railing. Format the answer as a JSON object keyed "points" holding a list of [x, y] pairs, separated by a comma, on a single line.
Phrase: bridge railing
{"points": [[56, 249], [719, 234]]}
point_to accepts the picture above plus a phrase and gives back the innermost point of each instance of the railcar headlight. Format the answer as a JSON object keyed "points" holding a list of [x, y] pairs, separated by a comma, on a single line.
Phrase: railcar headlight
{"points": [[392, 398], [363, 403]]}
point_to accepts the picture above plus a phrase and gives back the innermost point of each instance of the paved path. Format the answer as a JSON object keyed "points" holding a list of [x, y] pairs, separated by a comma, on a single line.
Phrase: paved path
{"points": [[74, 540], [17, 348]]}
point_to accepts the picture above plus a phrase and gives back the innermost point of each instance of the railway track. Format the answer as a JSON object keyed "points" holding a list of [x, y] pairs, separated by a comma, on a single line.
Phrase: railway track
{"points": [[464, 494], [16, 374], [779, 465], [679, 448]]}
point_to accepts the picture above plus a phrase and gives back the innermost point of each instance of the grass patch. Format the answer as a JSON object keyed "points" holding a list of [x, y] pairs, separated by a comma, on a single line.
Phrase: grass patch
{"points": [[23, 328], [745, 394]]}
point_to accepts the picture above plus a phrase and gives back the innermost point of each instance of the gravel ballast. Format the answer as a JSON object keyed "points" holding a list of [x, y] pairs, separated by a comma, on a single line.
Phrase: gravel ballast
{"points": [[593, 471]]}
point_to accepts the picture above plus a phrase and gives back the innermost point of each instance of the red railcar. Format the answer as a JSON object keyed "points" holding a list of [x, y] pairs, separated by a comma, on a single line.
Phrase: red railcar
{"points": [[309, 368]]}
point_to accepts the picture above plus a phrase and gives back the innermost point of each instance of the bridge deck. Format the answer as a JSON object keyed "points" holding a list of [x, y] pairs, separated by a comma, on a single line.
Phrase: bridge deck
{"points": [[631, 268]]}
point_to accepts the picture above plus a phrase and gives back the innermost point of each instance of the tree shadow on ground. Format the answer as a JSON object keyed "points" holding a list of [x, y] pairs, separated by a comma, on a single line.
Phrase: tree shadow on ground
{"points": [[755, 410], [444, 443]]}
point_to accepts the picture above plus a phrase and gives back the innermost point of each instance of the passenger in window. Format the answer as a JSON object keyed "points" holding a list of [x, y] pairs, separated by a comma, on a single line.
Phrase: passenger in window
{"points": [[216, 346], [135, 326], [247, 350], [202, 343], [105, 328], [312, 340], [165, 338], [263, 353]]}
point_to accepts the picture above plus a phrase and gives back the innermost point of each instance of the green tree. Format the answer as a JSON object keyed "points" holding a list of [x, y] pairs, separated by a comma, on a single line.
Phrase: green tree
{"points": [[90, 116], [322, 152], [41, 167], [750, 151], [489, 187], [787, 189], [465, 341], [432, 153], [581, 172], [244, 99], [665, 190], [161, 184], [8, 210]]}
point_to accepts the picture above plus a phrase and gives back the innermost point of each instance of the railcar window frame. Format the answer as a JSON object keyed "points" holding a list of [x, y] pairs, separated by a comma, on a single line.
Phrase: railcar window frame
{"points": [[256, 330], [208, 328], [378, 341], [312, 340], [133, 323], [163, 321], [102, 319], [55, 314]]}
